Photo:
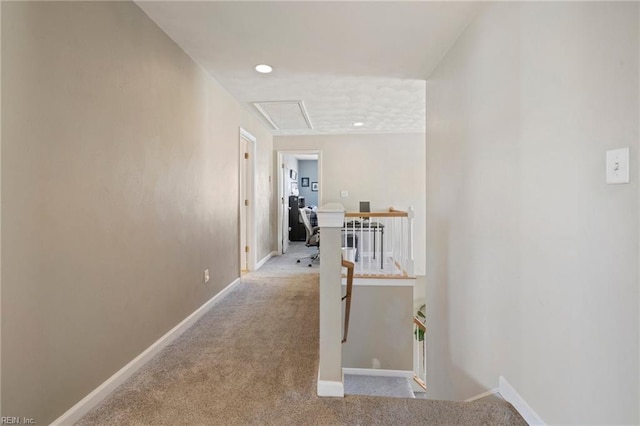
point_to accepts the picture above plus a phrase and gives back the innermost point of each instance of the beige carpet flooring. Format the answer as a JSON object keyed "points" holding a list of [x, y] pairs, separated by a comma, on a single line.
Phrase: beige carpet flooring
{"points": [[253, 359]]}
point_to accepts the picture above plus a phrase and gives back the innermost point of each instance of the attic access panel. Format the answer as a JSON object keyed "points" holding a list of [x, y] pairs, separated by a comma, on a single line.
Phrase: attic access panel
{"points": [[285, 115]]}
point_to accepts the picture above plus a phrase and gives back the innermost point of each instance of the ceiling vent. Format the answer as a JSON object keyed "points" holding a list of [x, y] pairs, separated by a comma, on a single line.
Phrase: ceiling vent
{"points": [[285, 115]]}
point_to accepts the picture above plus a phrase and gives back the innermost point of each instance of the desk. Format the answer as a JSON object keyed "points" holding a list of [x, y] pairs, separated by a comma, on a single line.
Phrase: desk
{"points": [[356, 225], [297, 231]]}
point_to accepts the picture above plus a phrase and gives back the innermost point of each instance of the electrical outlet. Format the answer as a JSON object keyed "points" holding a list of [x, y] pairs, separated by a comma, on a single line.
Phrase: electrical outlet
{"points": [[206, 276]]}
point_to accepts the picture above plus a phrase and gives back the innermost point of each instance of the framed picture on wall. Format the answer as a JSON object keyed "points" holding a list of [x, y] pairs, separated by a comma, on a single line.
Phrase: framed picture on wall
{"points": [[314, 186], [304, 182], [293, 174]]}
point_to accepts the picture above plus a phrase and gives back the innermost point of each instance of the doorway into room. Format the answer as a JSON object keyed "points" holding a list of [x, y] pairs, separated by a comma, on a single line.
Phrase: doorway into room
{"points": [[299, 187]]}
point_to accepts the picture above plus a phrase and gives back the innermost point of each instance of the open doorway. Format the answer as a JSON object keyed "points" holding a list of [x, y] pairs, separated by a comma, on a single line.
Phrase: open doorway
{"points": [[299, 186]]}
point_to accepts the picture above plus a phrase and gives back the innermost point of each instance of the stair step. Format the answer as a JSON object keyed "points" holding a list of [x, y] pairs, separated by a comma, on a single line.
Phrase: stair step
{"points": [[394, 387]]}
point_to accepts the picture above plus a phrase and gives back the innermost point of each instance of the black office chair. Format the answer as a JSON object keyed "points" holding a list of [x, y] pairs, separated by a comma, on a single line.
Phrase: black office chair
{"points": [[313, 236]]}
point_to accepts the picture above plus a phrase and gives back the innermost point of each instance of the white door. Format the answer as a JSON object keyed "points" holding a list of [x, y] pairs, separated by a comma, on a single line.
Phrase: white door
{"points": [[244, 149]]}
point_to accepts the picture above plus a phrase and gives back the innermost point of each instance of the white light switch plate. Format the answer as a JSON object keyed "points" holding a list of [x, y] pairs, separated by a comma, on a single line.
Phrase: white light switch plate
{"points": [[344, 194], [618, 166]]}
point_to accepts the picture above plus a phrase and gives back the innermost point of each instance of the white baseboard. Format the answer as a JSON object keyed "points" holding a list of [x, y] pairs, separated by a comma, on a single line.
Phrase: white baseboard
{"points": [[266, 259], [511, 395], [330, 388], [378, 372], [483, 395], [76, 412]]}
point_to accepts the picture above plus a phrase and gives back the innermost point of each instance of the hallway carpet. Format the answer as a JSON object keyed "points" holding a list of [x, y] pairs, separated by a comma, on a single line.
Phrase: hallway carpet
{"points": [[253, 359]]}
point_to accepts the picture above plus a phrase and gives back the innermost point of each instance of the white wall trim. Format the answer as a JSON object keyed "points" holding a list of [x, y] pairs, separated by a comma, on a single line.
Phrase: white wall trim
{"points": [[266, 258], [511, 395], [378, 372], [247, 135], [330, 388], [490, 392], [76, 412]]}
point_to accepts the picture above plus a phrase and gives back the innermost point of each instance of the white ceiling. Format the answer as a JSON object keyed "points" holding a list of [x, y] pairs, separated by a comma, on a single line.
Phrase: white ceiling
{"points": [[347, 61]]}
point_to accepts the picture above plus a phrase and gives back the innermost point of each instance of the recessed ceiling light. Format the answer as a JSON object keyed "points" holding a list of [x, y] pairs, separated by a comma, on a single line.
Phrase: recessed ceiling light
{"points": [[358, 124], [264, 68]]}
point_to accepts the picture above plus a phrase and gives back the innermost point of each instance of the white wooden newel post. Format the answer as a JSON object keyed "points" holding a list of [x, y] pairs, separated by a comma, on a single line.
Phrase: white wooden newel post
{"points": [[330, 221]]}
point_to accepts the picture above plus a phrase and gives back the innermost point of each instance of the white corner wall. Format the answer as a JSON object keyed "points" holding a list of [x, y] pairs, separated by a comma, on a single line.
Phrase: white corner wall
{"points": [[532, 259]]}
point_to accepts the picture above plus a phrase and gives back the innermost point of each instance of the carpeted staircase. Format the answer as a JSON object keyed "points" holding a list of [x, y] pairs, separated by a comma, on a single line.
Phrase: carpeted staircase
{"points": [[392, 387]]}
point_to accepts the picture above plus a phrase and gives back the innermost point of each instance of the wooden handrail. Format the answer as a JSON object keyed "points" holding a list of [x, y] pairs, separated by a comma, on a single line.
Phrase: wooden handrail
{"points": [[396, 213], [347, 310], [419, 381], [393, 209]]}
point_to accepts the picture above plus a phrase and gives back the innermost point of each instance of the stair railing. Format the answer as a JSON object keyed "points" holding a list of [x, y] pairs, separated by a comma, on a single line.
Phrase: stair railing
{"points": [[420, 352], [380, 243], [347, 297]]}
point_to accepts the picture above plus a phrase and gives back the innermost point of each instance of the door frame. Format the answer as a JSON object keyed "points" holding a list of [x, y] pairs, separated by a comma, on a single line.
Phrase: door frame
{"points": [[250, 185], [283, 203]]}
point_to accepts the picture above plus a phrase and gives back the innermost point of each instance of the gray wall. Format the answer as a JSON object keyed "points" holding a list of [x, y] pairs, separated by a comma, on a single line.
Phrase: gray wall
{"points": [[119, 187], [308, 168], [532, 258], [380, 328], [290, 163]]}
